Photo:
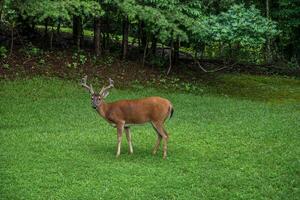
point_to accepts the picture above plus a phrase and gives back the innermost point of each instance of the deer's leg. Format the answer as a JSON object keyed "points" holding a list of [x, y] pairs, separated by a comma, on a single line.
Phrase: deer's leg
{"points": [[157, 144], [128, 136], [159, 128], [159, 137], [120, 128], [165, 143]]}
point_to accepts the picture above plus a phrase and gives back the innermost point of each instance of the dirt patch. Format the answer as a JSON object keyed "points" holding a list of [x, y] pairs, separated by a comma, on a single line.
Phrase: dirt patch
{"points": [[70, 64]]}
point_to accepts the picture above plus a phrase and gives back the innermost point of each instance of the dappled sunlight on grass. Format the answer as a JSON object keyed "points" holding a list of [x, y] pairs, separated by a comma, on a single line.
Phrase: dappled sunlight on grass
{"points": [[274, 89]]}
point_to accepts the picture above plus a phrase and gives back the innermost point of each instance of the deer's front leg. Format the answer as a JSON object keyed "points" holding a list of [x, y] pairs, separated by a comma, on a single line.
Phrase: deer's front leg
{"points": [[128, 136], [120, 128]]}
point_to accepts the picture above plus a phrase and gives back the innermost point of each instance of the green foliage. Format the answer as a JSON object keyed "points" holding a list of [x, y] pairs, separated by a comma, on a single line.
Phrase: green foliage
{"points": [[79, 57], [242, 25], [157, 61], [31, 51], [57, 10], [8, 13], [3, 52], [73, 65], [45, 9], [84, 8], [42, 62], [287, 13], [6, 66], [239, 25], [107, 60], [293, 63], [165, 19]]}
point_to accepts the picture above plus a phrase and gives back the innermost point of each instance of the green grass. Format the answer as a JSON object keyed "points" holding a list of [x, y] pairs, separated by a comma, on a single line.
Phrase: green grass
{"points": [[272, 89], [54, 146]]}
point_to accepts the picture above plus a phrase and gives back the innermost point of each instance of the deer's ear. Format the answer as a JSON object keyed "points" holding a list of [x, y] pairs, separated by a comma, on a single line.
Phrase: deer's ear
{"points": [[105, 94]]}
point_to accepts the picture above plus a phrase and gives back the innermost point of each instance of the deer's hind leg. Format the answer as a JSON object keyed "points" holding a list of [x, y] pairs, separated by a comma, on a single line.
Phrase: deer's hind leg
{"points": [[162, 135], [159, 137]]}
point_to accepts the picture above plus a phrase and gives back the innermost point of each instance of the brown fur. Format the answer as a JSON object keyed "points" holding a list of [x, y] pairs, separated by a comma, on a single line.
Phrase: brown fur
{"points": [[124, 113]]}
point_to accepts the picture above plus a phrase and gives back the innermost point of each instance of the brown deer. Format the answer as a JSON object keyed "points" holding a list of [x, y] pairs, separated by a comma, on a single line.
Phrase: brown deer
{"points": [[124, 113]]}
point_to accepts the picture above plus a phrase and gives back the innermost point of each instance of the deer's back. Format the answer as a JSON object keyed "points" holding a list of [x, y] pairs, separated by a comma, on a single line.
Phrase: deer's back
{"points": [[138, 111]]}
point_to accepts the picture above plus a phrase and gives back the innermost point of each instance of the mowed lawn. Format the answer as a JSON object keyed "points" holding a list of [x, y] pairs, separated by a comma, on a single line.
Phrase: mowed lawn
{"points": [[53, 145]]}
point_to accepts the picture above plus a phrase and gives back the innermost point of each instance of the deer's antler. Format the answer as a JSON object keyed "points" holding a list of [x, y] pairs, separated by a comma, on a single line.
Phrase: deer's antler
{"points": [[104, 89], [83, 84]]}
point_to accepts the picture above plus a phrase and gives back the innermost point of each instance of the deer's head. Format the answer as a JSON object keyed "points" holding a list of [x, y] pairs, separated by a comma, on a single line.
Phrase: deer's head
{"points": [[97, 98]]}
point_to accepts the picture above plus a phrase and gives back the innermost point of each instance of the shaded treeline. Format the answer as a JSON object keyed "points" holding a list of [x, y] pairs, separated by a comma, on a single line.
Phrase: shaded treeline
{"points": [[244, 31]]}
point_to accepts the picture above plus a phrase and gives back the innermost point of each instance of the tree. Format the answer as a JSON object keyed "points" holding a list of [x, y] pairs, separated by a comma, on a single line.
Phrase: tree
{"points": [[287, 14], [81, 10]]}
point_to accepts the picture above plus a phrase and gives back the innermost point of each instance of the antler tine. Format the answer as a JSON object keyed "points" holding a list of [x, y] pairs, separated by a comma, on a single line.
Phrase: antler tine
{"points": [[111, 85], [83, 84]]}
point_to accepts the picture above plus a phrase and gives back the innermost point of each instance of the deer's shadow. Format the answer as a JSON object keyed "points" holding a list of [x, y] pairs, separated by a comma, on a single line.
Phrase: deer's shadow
{"points": [[107, 151]]}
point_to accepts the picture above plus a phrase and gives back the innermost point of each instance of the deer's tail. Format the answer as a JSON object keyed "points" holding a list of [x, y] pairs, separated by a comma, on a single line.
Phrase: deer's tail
{"points": [[171, 111]]}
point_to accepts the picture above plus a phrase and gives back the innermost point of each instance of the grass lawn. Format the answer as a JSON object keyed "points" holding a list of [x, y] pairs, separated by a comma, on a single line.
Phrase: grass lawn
{"points": [[53, 145]]}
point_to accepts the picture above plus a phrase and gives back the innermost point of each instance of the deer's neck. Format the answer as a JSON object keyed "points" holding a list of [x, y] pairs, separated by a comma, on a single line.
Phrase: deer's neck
{"points": [[102, 109]]}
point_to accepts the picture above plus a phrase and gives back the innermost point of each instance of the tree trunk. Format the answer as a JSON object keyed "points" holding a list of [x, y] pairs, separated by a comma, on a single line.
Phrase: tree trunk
{"points": [[12, 39], [51, 38], [230, 51], [46, 27], [176, 51], [144, 56], [81, 39], [139, 42], [74, 28], [97, 36], [77, 31], [154, 45], [107, 41], [143, 35], [170, 57], [1, 9], [105, 33], [58, 28], [125, 38], [33, 26]]}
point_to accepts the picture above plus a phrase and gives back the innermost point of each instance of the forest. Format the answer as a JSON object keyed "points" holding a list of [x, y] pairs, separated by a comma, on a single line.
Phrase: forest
{"points": [[214, 86], [256, 32]]}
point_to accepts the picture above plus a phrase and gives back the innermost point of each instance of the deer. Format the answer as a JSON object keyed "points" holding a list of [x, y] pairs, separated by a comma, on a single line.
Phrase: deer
{"points": [[124, 113]]}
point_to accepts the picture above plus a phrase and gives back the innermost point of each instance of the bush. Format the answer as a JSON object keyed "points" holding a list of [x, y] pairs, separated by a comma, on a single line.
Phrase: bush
{"points": [[293, 63], [3, 52], [157, 61], [31, 51]]}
